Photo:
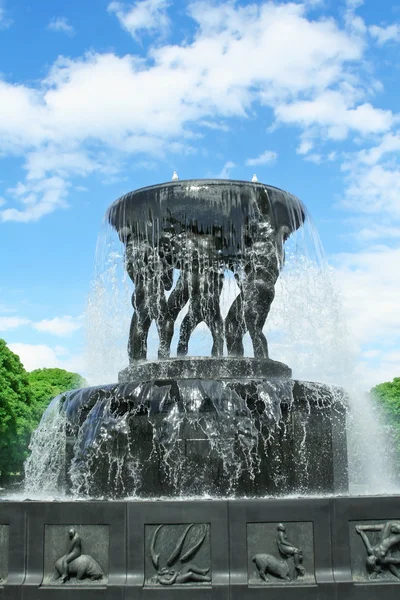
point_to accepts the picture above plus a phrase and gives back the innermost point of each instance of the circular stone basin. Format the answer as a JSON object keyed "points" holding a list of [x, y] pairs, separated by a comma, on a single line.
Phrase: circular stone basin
{"points": [[204, 206], [196, 367]]}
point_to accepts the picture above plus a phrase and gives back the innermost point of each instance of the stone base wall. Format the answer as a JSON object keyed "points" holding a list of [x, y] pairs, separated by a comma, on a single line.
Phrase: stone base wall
{"points": [[315, 548]]}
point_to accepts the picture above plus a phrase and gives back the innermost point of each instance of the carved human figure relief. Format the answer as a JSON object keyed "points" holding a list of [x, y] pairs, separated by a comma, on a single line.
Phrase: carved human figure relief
{"points": [[76, 564], [382, 545], [285, 564], [179, 555]]}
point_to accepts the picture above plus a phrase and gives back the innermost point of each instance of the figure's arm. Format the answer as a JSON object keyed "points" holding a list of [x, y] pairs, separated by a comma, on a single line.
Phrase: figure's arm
{"points": [[360, 528], [364, 538], [285, 541], [75, 549], [166, 581]]}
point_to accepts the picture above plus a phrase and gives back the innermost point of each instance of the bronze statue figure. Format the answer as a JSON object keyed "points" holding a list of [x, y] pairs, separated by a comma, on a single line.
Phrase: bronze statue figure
{"points": [[380, 556], [76, 564], [288, 550], [202, 279], [74, 551], [282, 568], [188, 572], [152, 276], [202, 229], [262, 261]]}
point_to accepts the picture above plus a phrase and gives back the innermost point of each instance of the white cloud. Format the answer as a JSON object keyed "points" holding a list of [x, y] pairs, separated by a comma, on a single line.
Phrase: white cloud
{"points": [[370, 294], [88, 110], [264, 159], [4, 20], [6, 309], [374, 190], [390, 33], [61, 326], [372, 179], [8, 323], [305, 146], [145, 15], [226, 170], [61, 163], [353, 4], [39, 356], [314, 158], [389, 143], [371, 290], [371, 372], [336, 114], [378, 231], [354, 23], [61, 24], [39, 198]]}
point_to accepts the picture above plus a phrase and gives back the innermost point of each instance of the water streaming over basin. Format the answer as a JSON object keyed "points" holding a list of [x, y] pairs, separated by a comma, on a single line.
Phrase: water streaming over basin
{"points": [[189, 438], [220, 438]]}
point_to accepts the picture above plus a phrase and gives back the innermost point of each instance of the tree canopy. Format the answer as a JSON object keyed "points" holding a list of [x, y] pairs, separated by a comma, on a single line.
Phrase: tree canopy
{"points": [[23, 399], [16, 411], [388, 396], [47, 383]]}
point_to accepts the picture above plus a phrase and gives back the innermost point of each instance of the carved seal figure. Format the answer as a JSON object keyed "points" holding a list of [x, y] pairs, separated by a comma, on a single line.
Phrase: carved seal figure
{"points": [[268, 564], [83, 567]]}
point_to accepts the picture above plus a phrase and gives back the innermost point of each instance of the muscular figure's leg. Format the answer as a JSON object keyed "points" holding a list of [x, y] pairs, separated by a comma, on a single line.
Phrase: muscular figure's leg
{"points": [[199, 571], [213, 317], [235, 328], [217, 332], [176, 301], [394, 570], [189, 324], [366, 541], [298, 559], [259, 341], [257, 306], [137, 345], [192, 576], [68, 558], [140, 323]]}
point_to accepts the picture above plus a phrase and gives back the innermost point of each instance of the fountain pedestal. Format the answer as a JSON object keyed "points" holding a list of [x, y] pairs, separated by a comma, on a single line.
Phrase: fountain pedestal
{"points": [[204, 368]]}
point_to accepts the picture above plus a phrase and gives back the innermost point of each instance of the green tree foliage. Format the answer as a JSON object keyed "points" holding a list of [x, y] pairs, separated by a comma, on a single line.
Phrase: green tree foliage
{"points": [[16, 412], [23, 399], [48, 383], [388, 396]]}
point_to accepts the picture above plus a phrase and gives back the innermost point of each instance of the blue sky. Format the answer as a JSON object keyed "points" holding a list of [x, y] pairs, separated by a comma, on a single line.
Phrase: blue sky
{"points": [[98, 99]]}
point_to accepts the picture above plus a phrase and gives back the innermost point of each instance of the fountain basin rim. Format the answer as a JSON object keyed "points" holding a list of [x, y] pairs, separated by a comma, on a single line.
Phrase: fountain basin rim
{"points": [[201, 367], [205, 182], [202, 183]]}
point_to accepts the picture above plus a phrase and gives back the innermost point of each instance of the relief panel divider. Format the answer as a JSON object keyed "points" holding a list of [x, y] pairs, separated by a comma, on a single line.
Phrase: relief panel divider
{"points": [[12, 549]]}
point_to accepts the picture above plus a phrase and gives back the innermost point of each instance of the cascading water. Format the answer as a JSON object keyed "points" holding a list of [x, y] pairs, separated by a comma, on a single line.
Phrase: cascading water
{"points": [[222, 437], [45, 467]]}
